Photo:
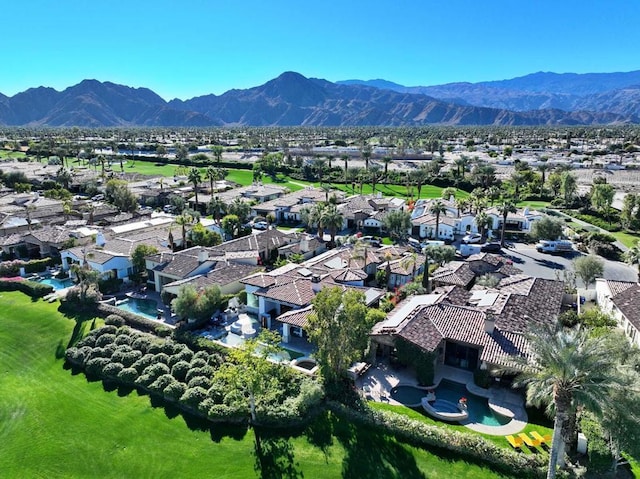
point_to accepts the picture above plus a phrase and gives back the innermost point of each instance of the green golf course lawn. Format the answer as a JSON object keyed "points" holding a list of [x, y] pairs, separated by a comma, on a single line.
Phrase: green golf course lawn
{"points": [[56, 424], [245, 177]]}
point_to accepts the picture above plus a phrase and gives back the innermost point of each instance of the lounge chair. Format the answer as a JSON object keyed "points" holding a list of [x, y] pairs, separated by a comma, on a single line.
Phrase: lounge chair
{"points": [[531, 443], [515, 442], [546, 439]]}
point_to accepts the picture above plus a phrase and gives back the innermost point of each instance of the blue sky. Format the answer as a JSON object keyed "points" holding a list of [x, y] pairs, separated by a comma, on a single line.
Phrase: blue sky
{"points": [[193, 47]]}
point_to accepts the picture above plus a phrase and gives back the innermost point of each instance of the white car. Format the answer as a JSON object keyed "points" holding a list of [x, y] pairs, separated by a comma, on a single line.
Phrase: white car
{"points": [[472, 238], [261, 225]]}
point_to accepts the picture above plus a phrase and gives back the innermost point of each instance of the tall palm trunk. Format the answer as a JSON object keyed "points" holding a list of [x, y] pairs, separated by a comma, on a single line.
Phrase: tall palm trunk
{"points": [[504, 227], [556, 454]]}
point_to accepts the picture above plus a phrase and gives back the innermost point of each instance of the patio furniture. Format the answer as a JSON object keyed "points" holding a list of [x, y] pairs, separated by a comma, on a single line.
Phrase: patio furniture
{"points": [[546, 439], [531, 443], [515, 442]]}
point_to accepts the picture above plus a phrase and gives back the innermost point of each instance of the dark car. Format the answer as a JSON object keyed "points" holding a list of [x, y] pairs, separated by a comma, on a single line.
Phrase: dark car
{"points": [[491, 248]]}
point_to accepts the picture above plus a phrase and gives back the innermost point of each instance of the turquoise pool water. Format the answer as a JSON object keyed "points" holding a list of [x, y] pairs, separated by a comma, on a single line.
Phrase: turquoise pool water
{"points": [[477, 407], [57, 283], [143, 307]]}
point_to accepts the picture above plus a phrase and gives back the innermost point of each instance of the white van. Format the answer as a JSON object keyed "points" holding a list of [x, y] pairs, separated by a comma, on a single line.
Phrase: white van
{"points": [[559, 246]]}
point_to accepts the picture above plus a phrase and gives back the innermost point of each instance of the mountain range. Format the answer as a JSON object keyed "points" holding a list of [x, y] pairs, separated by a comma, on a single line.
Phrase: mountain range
{"points": [[292, 100]]}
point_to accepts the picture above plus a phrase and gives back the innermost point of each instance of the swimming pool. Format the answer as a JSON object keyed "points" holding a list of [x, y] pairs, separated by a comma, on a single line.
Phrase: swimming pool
{"points": [[477, 406], [143, 307], [57, 284]]}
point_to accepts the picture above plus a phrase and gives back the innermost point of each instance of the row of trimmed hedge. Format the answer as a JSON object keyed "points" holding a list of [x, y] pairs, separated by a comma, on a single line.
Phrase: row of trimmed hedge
{"points": [[173, 371], [134, 320], [30, 288], [471, 446], [12, 268]]}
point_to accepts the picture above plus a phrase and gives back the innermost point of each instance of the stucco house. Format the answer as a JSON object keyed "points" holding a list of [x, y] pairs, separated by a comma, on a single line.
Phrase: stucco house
{"points": [[621, 299]]}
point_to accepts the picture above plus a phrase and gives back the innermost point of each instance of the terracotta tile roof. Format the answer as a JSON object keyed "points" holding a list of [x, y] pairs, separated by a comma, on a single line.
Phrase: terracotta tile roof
{"points": [[296, 317], [349, 275], [222, 274], [298, 292], [628, 302], [180, 264], [455, 272], [617, 287], [263, 241], [463, 325], [50, 235]]}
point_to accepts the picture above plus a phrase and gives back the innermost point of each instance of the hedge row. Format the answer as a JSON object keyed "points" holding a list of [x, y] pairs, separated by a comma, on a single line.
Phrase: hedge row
{"points": [[30, 288], [172, 370], [471, 446], [12, 268], [135, 321]]}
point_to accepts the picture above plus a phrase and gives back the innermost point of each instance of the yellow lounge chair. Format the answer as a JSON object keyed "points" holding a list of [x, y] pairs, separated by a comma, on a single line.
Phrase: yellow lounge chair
{"points": [[528, 441], [546, 439], [515, 442]]}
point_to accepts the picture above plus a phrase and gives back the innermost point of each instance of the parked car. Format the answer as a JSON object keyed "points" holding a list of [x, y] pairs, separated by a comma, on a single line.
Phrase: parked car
{"points": [[472, 238], [261, 225], [99, 197], [372, 240], [559, 246], [491, 248]]}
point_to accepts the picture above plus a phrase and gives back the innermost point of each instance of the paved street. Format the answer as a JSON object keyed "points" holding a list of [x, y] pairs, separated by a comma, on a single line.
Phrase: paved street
{"points": [[544, 265]]}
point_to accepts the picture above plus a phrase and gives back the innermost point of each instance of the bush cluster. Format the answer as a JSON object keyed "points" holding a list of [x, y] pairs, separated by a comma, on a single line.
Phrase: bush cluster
{"points": [[135, 321], [469, 446], [170, 369], [30, 288], [12, 268]]}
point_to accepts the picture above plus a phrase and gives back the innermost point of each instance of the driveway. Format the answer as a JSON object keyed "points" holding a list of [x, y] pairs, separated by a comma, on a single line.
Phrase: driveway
{"points": [[543, 265]]}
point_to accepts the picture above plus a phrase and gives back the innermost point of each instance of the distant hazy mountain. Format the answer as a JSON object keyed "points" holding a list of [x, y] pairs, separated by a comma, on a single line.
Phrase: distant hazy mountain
{"points": [[598, 92], [291, 100]]}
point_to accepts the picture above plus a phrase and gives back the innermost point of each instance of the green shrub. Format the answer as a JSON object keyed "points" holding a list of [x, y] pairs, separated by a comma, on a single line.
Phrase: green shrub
{"points": [[30, 288], [112, 370], [180, 370], [105, 339], [156, 370], [600, 457], [193, 396], [199, 381], [128, 375], [114, 320], [95, 366], [37, 265], [162, 382], [175, 390]]}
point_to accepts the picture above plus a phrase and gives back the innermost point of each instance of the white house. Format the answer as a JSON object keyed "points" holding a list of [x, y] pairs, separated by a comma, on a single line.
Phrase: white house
{"points": [[621, 299]]}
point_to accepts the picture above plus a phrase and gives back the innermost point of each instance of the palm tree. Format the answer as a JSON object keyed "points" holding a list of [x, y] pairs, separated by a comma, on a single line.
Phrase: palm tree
{"points": [[483, 222], [90, 208], [216, 207], [543, 168], [211, 174], [461, 204], [437, 208], [374, 176], [386, 160], [315, 218], [505, 208], [632, 256], [183, 221], [345, 158], [63, 176], [568, 369], [332, 219], [366, 155], [195, 178]]}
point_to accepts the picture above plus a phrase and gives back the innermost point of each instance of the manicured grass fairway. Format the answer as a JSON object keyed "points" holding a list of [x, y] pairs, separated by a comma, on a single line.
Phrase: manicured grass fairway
{"points": [[55, 424], [245, 177]]}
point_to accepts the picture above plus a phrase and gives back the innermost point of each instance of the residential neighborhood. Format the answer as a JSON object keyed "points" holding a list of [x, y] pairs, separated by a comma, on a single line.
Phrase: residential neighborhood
{"points": [[437, 303]]}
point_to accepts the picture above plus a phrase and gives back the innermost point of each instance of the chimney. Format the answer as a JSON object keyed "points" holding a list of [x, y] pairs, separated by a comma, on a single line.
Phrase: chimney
{"points": [[489, 323], [452, 199], [315, 283], [203, 255], [304, 244], [100, 241]]}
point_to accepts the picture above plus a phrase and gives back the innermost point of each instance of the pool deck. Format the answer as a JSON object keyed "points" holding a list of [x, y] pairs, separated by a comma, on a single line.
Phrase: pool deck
{"points": [[381, 378]]}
